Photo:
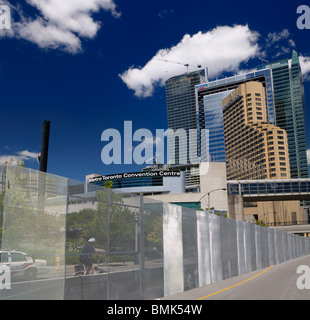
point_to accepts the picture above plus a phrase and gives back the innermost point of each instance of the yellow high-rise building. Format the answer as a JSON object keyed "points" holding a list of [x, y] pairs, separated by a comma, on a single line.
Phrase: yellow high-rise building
{"points": [[254, 148]]}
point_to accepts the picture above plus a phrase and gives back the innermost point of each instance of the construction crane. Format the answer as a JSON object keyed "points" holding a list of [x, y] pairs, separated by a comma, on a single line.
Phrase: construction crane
{"points": [[187, 65], [262, 60], [155, 158]]}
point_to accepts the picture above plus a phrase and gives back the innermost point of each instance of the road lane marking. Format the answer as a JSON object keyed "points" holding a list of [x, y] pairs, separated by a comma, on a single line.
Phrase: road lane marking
{"points": [[235, 285]]}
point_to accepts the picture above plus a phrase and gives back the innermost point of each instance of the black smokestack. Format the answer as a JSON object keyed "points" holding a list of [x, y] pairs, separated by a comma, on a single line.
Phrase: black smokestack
{"points": [[44, 145]]}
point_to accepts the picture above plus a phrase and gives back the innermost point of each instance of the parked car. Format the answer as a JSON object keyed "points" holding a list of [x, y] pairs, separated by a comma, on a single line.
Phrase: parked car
{"points": [[23, 265]]}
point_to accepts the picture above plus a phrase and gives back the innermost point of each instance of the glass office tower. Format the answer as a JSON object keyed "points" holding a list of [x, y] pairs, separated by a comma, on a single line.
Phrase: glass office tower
{"points": [[213, 115], [290, 112], [181, 111]]}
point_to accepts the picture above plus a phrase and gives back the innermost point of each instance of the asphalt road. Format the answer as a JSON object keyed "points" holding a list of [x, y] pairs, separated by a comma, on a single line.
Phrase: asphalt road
{"points": [[277, 282]]}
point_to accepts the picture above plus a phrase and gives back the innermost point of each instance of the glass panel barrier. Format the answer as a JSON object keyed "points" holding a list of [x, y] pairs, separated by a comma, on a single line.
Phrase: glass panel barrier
{"points": [[33, 237]]}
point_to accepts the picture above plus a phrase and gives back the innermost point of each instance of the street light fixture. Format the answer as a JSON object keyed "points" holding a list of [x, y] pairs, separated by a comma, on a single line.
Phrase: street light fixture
{"points": [[208, 193]]}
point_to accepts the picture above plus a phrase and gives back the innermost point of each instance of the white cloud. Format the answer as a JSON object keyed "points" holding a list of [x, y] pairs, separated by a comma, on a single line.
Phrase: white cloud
{"points": [[222, 49], [280, 43], [61, 23], [305, 66], [18, 158], [277, 36]]}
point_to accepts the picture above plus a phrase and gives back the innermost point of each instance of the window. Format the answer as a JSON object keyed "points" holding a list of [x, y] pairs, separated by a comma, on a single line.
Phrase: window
{"points": [[4, 257], [17, 257]]}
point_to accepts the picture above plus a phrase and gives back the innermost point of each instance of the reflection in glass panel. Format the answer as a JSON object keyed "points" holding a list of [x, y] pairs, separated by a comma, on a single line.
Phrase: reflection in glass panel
{"points": [[190, 258], [34, 223]]}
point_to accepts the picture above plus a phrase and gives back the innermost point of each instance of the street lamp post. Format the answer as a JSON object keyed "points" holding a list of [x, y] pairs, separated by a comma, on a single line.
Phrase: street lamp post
{"points": [[208, 193]]}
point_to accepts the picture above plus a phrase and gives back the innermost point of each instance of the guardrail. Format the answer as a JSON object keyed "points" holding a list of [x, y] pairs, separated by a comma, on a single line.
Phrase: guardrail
{"points": [[287, 223]]}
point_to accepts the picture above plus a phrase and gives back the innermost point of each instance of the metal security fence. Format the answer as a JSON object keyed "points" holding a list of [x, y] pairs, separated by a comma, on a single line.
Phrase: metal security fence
{"points": [[146, 249]]}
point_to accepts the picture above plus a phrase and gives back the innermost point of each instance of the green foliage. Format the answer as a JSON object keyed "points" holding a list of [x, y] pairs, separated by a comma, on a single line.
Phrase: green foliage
{"points": [[155, 232], [260, 222], [112, 224]]}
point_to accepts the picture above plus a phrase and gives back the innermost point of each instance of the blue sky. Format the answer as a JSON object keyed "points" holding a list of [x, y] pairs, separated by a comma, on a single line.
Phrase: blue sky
{"points": [[90, 65]]}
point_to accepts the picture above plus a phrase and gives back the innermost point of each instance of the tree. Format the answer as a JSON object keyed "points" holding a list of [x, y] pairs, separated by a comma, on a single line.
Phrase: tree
{"points": [[114, 221]]}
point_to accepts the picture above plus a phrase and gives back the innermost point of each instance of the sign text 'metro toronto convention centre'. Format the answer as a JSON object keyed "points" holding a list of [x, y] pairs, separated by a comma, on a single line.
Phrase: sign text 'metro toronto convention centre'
{"points": [[128, 175]]}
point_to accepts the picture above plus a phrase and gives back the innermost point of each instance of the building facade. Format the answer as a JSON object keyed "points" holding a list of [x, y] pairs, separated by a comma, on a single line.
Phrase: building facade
{"points": [[177, 184], [254, 148], [209, 110], [290, 110], [181, 112]]}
